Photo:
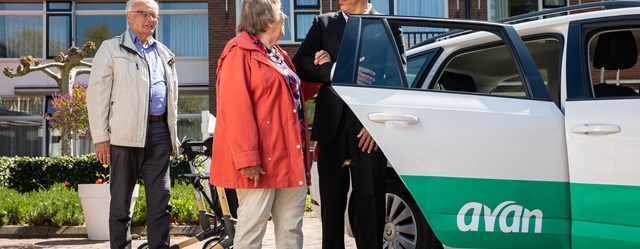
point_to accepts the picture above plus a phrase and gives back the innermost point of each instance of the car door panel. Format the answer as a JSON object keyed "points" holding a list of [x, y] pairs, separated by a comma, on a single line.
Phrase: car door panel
{"points": [[605, 182], [603, 138], [466, 151]]}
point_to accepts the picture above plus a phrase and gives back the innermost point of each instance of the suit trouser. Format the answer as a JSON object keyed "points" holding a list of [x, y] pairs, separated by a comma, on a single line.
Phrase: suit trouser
{"points": [[367, 175], [286, 206], [153, 163]]}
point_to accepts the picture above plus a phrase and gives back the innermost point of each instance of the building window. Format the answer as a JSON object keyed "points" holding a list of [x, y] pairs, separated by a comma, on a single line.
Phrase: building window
{"points": [[183, 27], [500, 9], [21, 29], [98, 28], [553, 3], [185, 34], [190, 109], [300, 17], [97, 22], [413, 34], [101, 6], [410, 7], [21, 126], [58, 27], [58, 33], [59, 6]]}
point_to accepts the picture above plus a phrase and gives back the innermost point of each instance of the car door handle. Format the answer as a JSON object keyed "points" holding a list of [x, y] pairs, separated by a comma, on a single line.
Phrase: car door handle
{"points": [[382, 118], [602, 129]]}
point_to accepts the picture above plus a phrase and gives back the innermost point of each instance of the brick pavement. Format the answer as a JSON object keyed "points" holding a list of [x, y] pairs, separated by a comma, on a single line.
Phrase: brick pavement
{"points": [[311, 228]]}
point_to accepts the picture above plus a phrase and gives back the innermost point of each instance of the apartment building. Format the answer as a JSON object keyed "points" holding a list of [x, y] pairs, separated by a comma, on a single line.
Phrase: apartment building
{"points": [[195, 30]]}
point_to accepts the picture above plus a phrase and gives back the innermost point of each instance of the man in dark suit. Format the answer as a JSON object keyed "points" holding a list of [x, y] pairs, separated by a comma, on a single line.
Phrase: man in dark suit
{"points": [[347, 153]]}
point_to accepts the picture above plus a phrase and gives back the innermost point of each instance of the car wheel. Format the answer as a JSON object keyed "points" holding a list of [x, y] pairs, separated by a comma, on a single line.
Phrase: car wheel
{"points": [[405, 226]]}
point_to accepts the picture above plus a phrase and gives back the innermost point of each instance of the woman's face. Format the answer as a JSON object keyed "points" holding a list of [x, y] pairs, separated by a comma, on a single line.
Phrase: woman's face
{"points": [[278, 25]]}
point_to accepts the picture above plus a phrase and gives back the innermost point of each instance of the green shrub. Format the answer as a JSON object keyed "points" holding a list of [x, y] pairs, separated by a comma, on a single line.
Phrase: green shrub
{"points": [[32, 173], [27, 174], [183, 202], [13, 207], [57, 206], [139, 216], [5, 164]]}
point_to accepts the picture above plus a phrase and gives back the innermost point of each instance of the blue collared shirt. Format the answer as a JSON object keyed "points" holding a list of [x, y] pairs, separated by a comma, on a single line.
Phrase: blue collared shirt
{"points": [[158, 99]]}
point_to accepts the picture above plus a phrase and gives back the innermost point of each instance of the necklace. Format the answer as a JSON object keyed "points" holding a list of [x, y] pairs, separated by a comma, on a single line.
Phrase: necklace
{"points": [[272, 53]]}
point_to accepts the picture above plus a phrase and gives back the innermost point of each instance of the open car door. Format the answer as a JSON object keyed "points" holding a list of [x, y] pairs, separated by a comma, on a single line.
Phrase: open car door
{"points": [[482, 168]]}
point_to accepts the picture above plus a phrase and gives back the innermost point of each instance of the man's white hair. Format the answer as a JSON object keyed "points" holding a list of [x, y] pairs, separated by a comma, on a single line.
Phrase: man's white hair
{"points": [[130, 4]]}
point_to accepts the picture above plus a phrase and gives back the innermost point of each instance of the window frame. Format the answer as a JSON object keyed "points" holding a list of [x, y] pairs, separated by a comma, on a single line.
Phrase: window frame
{"points": [[41, 13], [293, 12], [70, 38], [182, 12]]}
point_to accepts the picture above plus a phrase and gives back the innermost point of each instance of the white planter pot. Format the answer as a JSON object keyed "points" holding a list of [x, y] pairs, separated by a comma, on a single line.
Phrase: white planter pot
{"points": [[95, 199]]}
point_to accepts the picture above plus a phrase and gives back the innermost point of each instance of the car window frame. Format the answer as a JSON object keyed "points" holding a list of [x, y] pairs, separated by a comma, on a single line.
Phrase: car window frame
{"points": [[445, 61], [346, 69], [421, 76], [578, 79]]}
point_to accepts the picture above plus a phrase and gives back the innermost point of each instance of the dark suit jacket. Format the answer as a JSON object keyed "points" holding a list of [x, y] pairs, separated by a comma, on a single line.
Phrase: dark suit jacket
{"points": [[326, 34]]}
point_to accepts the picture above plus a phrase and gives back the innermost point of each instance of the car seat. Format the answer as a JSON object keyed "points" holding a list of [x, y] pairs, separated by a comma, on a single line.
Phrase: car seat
{"points": [[457, 82], [614, 51]]}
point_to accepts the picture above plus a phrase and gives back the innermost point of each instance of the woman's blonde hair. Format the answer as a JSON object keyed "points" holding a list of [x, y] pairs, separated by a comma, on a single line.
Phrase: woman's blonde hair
{"points": [[256, 15]]}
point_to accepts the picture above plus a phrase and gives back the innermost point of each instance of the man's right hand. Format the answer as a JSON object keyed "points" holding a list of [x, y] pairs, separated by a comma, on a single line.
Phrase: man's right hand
{"points": [[321, 57], [103, 152], [365, 75]]}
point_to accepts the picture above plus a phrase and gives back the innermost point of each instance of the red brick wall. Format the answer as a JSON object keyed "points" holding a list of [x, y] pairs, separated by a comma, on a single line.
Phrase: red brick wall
{"points": [[222, 26], [461, 12]]}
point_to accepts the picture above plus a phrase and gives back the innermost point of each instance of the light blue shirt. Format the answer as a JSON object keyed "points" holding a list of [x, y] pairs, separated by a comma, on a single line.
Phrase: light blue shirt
{"points": [[158, 99]]}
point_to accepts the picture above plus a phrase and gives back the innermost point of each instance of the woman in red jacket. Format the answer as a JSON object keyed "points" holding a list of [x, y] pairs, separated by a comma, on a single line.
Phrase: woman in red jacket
{"points": [[260, 146]]}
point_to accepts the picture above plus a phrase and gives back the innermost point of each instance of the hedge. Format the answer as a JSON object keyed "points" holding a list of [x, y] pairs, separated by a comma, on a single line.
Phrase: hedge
{"points": [[26, 174]]}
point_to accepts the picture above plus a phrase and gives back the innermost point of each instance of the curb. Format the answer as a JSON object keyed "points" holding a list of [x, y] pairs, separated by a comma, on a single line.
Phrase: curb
{"points": [[44, 232]]}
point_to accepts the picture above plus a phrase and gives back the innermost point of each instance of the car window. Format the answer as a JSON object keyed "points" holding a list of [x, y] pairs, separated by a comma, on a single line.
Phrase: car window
{"points": [[377, 56], [491, 70], [416, 65], [613, 57]]}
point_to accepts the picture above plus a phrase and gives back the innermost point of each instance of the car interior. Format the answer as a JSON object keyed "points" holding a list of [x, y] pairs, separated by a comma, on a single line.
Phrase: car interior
{"points": [[492, 70], [614, 56]]}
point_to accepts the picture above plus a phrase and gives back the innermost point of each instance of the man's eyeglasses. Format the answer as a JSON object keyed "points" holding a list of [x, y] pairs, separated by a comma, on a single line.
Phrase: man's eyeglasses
{"points": [[146, 14]]}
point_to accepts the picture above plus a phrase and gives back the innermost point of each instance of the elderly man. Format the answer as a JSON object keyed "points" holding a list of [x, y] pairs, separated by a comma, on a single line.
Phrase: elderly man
{"points": [[132, 105]]}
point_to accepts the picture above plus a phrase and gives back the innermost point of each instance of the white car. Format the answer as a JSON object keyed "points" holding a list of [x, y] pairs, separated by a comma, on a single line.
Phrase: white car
{"points": [[503, 135]]}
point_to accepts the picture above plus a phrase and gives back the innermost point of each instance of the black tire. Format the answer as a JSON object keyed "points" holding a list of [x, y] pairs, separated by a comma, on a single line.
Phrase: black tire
{"points": [[405, 225], [211, 243], [144, 245]]}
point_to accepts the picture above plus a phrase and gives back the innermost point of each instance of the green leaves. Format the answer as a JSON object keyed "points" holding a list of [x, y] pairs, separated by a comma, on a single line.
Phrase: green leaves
{"points": [[57, 206], [27, 174]]}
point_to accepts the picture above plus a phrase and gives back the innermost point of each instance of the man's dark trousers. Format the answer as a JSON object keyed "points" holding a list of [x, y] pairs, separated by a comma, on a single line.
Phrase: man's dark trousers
{"points": [[153, 163], [367, 174]]}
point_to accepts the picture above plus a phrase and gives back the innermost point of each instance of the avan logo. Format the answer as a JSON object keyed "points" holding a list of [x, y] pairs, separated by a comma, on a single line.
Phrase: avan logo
{"points": [[519, 218]]}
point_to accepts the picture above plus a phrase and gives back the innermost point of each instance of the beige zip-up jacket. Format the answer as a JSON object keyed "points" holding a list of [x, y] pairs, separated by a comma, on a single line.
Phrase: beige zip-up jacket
{"points": [[119, 91]]}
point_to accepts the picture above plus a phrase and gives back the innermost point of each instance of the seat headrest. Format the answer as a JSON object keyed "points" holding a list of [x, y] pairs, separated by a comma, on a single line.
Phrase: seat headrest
{"points": [[615, 50], [457, 82]]}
